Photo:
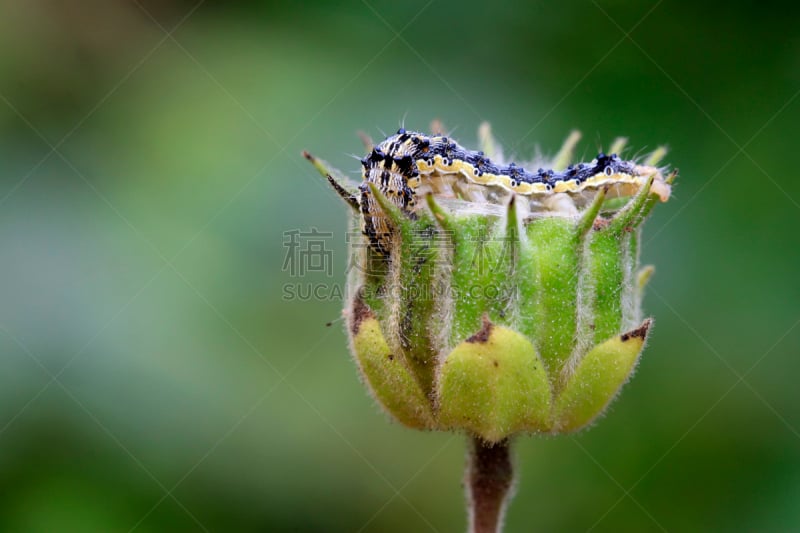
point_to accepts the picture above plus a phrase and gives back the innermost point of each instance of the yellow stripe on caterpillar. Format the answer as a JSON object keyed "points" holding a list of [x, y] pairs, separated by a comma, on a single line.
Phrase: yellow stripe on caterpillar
{"points": [[408, 162]]}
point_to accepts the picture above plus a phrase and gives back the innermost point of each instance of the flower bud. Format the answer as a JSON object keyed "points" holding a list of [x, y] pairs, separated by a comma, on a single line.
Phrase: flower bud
{"points": [[492, 300]]}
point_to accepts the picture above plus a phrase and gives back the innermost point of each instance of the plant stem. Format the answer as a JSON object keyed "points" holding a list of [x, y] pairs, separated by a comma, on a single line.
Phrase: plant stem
{"points": [[489, 480]]}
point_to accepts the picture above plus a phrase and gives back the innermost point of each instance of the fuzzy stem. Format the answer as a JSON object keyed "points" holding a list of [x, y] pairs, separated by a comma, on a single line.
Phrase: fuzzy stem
{"points": [[489, 480]]}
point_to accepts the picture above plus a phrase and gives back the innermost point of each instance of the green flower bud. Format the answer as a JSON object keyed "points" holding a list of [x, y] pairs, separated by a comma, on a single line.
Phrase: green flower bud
{"points": [[473, 308]]}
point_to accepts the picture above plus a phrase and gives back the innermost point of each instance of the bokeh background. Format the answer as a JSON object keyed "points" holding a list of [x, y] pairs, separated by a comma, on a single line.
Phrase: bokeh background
{"points": [[153, 376]]}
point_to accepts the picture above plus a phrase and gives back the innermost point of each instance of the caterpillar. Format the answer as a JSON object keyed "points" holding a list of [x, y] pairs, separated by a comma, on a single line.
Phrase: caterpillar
{"points": [[408, 163]]}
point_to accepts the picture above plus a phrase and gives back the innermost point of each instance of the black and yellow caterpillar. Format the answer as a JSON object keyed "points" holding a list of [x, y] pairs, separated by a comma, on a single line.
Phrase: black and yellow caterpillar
{"points": [[406, 163]]}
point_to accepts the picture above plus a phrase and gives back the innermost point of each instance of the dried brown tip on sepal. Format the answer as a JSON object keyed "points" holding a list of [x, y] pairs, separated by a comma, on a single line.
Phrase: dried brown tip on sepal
{"points": [[671, 177], [483, 334], [360, 312], [637, 333], [318, 164]]}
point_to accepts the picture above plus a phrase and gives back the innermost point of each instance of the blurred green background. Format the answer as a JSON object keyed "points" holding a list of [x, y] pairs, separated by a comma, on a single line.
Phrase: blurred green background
{"points": [[153, 376]]}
